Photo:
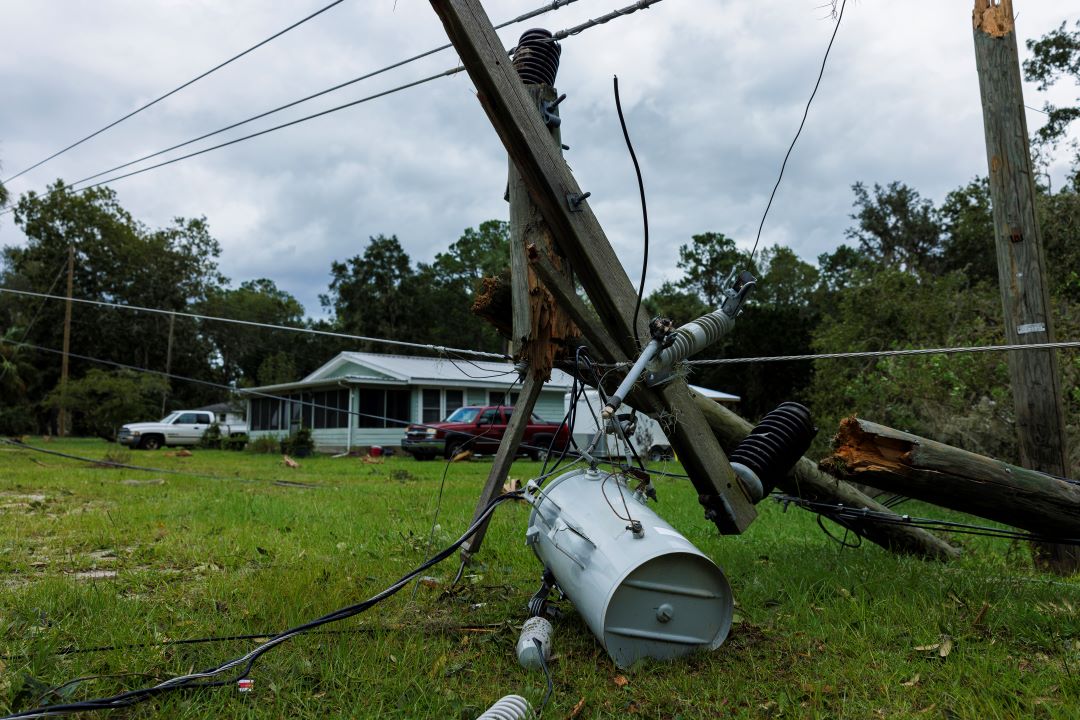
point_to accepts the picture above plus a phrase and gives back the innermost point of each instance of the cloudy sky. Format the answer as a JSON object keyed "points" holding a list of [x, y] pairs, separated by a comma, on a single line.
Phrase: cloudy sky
{"points": [[713, 93]]}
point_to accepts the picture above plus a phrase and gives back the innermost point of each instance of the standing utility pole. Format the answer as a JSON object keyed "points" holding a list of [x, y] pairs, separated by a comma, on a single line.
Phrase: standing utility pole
{"points": [[1034, 374], [168, 364], [62, 424]]}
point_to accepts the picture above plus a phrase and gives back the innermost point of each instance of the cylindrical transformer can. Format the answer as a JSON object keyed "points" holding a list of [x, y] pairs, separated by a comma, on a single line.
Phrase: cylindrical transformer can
{"points": [[643, 594]]}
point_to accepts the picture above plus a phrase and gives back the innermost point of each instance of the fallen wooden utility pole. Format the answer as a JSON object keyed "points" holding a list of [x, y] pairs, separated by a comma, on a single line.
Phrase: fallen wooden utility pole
{"points": [[566, 211], [807, 481], [903, 463], [1034, 374]]}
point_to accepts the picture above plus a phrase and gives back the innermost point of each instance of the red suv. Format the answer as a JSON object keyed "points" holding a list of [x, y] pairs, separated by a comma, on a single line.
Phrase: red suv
{"points": [[481, 428]]}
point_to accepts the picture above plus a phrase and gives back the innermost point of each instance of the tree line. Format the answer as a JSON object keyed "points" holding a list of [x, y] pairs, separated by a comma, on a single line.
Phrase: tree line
{"points": [[909, 273]]}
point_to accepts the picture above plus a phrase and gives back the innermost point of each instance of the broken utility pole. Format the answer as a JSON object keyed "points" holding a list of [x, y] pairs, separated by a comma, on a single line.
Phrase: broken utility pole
{"points": [[565, 209], [907, 464], [540, 329], [1034, 374]]}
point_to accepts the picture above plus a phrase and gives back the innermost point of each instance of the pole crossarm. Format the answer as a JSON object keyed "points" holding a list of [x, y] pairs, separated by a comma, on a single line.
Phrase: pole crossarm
{"points": [[564, 207]]}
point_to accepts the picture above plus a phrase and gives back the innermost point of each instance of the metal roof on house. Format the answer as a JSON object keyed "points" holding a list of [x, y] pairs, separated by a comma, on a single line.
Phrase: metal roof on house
{"points": [[382, 369]]}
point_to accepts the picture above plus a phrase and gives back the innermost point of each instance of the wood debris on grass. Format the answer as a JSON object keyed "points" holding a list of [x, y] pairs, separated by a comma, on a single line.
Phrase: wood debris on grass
{"points": [[289, 462]]}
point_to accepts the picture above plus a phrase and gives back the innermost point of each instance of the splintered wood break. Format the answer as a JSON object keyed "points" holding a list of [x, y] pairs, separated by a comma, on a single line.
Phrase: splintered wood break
{"points": [[493, 304], [994, 17], [859, 451]]}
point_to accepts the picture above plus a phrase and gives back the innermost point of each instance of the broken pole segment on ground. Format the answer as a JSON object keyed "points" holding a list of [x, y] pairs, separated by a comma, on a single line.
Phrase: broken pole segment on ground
{"points": [[927, 470], [807, 481]]}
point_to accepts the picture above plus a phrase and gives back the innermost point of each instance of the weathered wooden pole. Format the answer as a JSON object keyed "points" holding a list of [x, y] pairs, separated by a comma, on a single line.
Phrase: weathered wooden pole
{"points": [[62, 419], [565, 209], [923, 469], [807, 481], [541, 330], [1034, 374]]}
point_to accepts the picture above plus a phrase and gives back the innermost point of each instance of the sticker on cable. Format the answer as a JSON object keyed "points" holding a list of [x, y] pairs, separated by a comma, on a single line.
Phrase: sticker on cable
{"points": [[245, 685]]}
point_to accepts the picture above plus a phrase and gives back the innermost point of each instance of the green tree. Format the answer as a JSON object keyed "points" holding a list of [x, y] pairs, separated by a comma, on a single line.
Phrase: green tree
{"points": [[368, 292], [117, 259], [102, 401], [896, 228], [1056, 55], [240, 350], [968, 222], [707, 262]]}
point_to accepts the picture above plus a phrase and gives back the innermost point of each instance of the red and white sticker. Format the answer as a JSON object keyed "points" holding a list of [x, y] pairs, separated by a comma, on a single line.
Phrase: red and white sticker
{"points": [[245, 684]]}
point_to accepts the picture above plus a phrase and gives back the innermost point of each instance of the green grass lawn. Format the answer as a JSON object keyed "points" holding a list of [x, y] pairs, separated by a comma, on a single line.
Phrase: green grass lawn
{"points": [[93, 556]]}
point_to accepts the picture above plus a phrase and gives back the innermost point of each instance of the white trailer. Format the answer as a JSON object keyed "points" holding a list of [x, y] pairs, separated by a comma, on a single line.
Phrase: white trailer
{"points": [[648, 438]]}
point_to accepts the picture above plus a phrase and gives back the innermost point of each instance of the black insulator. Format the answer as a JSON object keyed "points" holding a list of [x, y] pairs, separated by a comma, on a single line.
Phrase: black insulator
{"points": [[536, 57], [777, 442]]}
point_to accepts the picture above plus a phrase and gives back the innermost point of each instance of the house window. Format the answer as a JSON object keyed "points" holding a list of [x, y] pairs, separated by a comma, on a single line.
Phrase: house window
{"points": [[430, 409], [500, 397], [266, 414], [384, 408], [454, 400], [331, 409]]}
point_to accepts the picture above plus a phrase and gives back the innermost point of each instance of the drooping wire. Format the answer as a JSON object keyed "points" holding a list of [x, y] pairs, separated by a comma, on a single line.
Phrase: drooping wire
{"points": [[367, 76], [442, 482], [37, 313], [282, 126], [176, 89], [802, 123], [850, 517], [644, 211], [249, 392], [246, 662], [269, 326]]}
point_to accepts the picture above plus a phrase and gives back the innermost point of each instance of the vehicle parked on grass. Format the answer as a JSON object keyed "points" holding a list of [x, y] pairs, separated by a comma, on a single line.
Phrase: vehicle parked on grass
{"points": [[183, 427], [480, 428]]}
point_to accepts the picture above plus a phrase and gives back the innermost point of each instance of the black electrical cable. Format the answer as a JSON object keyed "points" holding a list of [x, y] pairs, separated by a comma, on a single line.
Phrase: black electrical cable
{"points": [[802, 123], [202, 680], [644, 211], [37, 313], [282, 126], [547, 675], [108, 463], [176, 89], [221, 386], [367, 76], [851, 517]]}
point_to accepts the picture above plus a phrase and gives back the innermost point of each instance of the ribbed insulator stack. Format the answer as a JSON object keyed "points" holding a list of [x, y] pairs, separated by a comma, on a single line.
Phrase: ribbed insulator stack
{"points": [[777, 442], [537, 57]]}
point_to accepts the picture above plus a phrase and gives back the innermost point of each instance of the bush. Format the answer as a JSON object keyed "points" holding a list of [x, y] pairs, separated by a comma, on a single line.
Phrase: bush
{"points": [[235, 442], [265, 444], [211, 438], [300, 444]]}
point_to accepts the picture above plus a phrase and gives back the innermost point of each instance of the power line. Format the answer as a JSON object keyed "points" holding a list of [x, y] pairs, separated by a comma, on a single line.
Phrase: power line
{"points": [[520, 18], [251, 323], [176, 89], [391, 91], [641, 4], [888, 353], [802, 123]]}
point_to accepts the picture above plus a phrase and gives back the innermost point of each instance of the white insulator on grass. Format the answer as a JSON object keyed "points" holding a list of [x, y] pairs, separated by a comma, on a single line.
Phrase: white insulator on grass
{"points": [[511, 707], [529, 654]]}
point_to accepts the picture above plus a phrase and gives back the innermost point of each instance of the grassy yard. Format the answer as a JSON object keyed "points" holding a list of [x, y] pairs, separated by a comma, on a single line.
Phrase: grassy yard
{"points": [[93, 556]]}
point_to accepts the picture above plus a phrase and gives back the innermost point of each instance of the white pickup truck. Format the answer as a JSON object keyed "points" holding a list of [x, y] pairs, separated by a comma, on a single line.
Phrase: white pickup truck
{"points": [[183, 427]]}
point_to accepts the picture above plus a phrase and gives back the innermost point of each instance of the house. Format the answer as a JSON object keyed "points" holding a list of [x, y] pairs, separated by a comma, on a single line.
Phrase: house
{"points": [[360, 399], [225, 413]]}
